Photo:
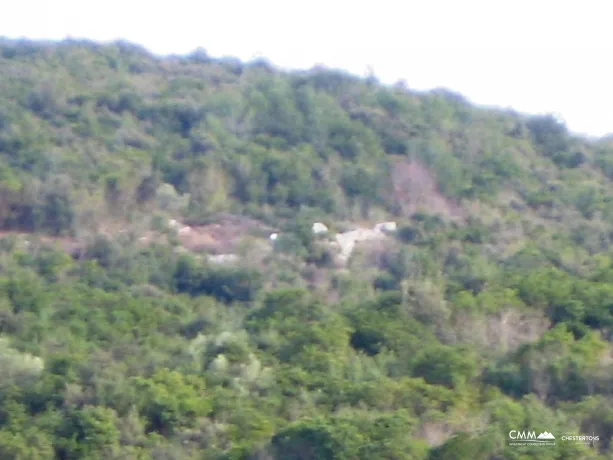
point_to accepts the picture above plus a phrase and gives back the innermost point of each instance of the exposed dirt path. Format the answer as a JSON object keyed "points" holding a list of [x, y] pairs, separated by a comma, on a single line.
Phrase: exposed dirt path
{"points": [[221, 237]]}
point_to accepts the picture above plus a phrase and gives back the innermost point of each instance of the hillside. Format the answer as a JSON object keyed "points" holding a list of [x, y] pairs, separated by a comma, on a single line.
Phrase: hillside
{"points": [[145, 313]]}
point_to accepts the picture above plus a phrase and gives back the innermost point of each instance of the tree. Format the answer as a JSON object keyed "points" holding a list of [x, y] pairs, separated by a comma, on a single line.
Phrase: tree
{"points": [[90, 432], [169, 400]]}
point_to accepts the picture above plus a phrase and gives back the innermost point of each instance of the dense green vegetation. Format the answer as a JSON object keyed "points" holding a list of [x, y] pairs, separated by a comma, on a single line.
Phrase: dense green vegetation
{"points": [[490, 310]]}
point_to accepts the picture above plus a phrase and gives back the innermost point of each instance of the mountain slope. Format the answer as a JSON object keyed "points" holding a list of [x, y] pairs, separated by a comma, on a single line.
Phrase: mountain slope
{"points": [[488, 310], [119, 123]]}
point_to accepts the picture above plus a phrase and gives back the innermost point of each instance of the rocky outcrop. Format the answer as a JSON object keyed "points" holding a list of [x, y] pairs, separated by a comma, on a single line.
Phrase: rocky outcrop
{"points": [[347, 241], [319, 228]]}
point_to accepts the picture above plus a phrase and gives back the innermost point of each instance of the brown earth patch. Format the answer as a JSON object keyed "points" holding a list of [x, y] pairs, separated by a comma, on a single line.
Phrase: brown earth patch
{"points": [[416, 190], [222, 236]]}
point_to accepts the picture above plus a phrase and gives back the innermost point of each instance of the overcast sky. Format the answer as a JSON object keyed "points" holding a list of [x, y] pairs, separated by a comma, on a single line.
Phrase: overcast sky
{"points": [[536, 56]]}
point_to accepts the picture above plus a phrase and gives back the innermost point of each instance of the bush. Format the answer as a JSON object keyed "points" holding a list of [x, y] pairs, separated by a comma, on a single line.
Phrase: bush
{"points": [[549, 134], [228, 284]]}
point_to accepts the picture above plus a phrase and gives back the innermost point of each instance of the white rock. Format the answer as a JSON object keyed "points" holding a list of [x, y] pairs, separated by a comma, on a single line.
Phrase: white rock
{"points": [[274, 236], [319, 228], [185, 230], [386, 227]]}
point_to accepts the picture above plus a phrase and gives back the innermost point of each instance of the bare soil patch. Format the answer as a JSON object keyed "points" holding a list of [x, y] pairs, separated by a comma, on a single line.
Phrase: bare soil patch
{"points": [[416, 190]]}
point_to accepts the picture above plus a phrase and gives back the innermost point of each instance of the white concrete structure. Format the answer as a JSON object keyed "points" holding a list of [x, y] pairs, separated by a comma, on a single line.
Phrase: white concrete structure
{"points": [[273, 236], [387, 227], [319, 228]]}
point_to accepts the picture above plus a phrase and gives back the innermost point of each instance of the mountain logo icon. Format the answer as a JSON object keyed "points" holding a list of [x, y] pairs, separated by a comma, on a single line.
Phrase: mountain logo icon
{"points": [[545, 435]]}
